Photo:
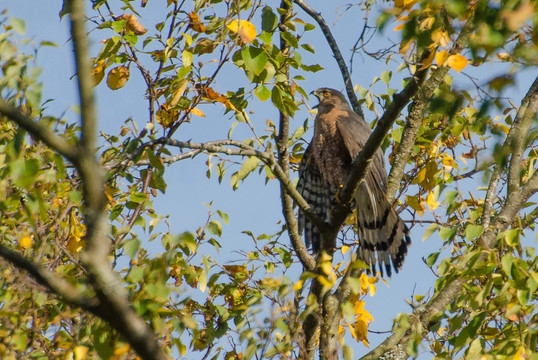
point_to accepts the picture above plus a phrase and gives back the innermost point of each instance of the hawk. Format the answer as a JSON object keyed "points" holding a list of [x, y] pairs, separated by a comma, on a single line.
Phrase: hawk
{"points": [[339, 135]]}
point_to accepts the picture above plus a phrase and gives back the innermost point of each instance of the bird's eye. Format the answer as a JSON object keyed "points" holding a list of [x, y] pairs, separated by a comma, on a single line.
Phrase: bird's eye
{"points": [[326, 94]]}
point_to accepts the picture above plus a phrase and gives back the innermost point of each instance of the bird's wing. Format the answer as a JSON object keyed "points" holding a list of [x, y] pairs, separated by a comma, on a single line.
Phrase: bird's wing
{"points": [[383, 237], [318, 194]]}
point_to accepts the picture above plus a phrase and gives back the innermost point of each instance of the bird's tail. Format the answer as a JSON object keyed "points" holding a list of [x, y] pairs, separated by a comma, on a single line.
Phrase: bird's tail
{"points": [[383, 236]]}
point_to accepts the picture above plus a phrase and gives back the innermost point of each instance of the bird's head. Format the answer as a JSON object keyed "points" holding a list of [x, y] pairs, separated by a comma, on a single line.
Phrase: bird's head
{"points": [[329, 98]]}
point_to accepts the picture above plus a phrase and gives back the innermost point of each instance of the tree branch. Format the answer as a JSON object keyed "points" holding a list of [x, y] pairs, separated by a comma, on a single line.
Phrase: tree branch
{"points": [[114, 304], [516, 138], [417, 109], [38, 131], [284, 163], [397, 342], [361, 164], [50, 280], [336, 52]]}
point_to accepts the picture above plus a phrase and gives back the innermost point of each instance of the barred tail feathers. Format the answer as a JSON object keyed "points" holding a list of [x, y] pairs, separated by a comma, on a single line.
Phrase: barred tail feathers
{"points": [[383, 237]]}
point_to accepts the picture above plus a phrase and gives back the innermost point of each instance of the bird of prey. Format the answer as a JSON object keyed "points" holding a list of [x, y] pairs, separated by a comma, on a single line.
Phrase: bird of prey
{"points": [[339, 135]]}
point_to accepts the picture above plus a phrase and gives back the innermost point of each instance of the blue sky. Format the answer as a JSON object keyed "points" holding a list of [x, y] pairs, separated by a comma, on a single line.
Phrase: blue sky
{"points": [[255, 205]]}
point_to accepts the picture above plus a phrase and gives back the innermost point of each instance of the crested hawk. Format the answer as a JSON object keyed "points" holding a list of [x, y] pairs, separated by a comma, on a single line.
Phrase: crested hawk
{"points": [[339, 135]]}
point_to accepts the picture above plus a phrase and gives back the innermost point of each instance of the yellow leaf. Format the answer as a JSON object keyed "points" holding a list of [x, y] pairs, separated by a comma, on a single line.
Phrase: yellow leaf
{"points": [[426, 24], [74, 244], [365, 284], [178, 93], [416, 203], [399, 27], [440, 37], [98, 72], [117, 77], [132, 24], [448, 162], [298, 285], [196, 23], [361, 329], [457, 62], [81, 352], [245, 30], [440, 57], [353, 333], [197, 112], [25, 242], [202, 281], [521, 354], [505, 129], [504, 56], [431, 201], [428, 61], [373, 289], [122, 350]]}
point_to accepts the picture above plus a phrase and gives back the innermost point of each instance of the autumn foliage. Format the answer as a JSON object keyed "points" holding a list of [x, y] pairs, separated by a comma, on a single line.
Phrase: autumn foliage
{"points": [[91, 269]]}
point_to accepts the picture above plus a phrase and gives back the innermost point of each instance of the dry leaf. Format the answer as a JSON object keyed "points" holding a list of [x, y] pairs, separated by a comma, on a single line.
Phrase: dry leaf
{"points": [[165, 116], [245, 30], [117, 77], [210, 94], [132, 24], [196, 23], [98, 72]]}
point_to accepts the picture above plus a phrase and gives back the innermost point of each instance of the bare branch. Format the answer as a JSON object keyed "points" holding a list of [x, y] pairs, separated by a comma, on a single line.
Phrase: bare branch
{"points": [[336, 52]]}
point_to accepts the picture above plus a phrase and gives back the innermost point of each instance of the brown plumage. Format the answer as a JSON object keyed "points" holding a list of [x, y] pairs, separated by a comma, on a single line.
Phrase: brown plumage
{"points": [[339, 135]]}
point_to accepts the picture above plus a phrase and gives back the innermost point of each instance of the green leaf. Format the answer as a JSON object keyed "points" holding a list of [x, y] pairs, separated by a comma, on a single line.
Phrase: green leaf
{"points": [[386, 76], [308, 48], [290, 39], [215, 228], [507, 262], [473, 231], [448, 234], [186, 58], [225, 218], [432, 258], [18, 25], [429, 231], [188, 243], [262, 92], [512, 237], [255, 59], [312, 68], [269, 20], [131, 247]]}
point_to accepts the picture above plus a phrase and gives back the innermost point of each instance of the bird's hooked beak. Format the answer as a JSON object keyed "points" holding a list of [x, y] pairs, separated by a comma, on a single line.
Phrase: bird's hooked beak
{"points": [[316, 94]]}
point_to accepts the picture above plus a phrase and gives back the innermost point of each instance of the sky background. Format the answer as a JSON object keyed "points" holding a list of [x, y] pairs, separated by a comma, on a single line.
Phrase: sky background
{"points": [[255, 205]]}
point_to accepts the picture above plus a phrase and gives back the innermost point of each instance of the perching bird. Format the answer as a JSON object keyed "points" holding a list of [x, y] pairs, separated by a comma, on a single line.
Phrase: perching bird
{"points": [[339, 135]]}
